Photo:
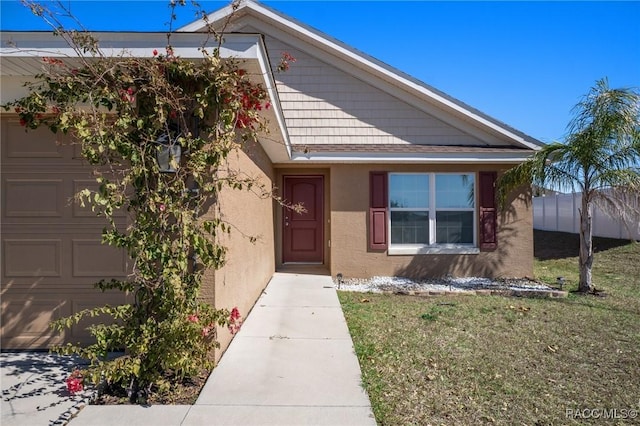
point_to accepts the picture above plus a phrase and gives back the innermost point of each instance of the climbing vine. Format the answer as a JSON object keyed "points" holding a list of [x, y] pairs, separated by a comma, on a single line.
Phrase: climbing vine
{"points": [[128, 115]]}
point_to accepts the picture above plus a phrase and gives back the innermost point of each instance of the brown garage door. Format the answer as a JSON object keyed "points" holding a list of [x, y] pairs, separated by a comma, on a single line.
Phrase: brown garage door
{"points": [[51, 250]]}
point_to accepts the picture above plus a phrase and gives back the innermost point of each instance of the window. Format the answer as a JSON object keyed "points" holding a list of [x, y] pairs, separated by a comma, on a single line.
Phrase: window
{"points": [[455, 201], [432, 209], [432, 212], [409, 206]]}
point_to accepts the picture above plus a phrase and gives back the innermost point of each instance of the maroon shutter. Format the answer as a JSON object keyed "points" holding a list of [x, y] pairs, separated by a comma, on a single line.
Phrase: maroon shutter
{"points": [[488, 211], [378, 210]]}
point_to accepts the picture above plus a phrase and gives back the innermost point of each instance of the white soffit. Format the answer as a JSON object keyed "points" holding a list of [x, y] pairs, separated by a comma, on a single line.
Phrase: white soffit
{"points": [[410, 158], [21, 47], [21, 56]]}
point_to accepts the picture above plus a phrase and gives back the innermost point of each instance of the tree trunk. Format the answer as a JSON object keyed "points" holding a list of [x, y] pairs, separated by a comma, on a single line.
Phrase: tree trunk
{"points": [[586, 246], [134, 390]]}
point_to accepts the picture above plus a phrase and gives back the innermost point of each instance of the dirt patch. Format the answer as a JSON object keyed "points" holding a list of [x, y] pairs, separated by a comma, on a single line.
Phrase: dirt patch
{"points": [[180, 392]]}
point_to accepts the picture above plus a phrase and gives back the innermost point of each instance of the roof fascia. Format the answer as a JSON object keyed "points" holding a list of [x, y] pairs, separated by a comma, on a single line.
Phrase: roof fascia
{"points": [[218, 15], [381, 70], [33, 46], [411, 158], [272, 90], [140, 45]]}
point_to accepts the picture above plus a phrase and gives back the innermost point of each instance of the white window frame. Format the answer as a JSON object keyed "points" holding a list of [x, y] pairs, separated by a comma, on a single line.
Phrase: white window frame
{"points": [[432, 247]]}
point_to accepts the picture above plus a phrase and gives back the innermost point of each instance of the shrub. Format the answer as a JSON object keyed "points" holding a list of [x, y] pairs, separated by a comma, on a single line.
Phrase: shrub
{"points": [[125, 112]]}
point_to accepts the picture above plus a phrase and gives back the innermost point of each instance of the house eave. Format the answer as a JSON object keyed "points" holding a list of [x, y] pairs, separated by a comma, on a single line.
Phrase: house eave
{"points": [[22, 52], [409, 158], [273, 147], [36, 44]]}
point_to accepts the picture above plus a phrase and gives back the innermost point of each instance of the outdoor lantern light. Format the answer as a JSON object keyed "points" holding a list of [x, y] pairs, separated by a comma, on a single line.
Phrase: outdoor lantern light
{"points": [[168, 150]]}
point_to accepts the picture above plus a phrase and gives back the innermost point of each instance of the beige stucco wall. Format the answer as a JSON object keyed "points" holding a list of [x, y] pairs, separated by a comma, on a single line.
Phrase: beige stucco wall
{"points": [[349, 245], [249, 265]]}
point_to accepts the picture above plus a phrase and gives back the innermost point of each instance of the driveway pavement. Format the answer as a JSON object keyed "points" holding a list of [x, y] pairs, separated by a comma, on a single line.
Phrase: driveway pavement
{"points": [[34, 390]]}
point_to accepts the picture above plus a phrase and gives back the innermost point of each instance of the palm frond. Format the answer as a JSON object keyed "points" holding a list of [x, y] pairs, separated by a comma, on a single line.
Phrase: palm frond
{"points": [[620, 204], [600, 158], [606, 113], [550, 167], [627, 180], [604, 137]]}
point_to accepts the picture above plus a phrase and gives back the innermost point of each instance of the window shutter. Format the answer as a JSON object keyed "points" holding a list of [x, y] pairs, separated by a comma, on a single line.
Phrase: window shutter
{"points": [[488, 211], [378, 210]]}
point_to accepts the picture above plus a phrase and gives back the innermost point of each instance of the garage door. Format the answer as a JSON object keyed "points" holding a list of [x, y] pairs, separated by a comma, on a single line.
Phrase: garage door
{"points": [[51, 250]]}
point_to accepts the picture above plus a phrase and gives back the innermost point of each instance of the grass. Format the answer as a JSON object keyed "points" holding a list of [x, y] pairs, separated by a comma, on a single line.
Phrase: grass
{"points": [[495, 360]]}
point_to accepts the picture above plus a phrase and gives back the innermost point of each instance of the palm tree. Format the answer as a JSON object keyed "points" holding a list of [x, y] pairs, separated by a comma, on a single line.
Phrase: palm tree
{"points": [[600, 158]]}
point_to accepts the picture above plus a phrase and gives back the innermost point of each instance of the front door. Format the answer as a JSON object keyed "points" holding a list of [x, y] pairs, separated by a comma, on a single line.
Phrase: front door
{"points": [[303, 232]]}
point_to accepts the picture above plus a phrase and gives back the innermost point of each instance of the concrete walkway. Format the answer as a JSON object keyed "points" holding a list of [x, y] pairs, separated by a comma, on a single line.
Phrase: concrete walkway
{"points": [[292, 363]]}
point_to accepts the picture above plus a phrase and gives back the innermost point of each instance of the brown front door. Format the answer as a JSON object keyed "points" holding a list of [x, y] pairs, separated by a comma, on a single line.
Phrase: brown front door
{"points": [[303, 232]]}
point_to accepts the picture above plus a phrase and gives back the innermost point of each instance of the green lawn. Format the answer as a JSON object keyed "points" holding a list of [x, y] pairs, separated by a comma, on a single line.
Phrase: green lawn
{"points": [[495, 360]]}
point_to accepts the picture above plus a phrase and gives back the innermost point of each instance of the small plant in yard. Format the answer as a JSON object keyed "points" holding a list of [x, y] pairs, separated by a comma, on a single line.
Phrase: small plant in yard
{"points": [[126, 114], [428, 316], [435, 311]]}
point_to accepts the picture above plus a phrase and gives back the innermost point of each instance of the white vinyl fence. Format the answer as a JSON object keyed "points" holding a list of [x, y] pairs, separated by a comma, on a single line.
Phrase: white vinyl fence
{"points": [[559, 212]]}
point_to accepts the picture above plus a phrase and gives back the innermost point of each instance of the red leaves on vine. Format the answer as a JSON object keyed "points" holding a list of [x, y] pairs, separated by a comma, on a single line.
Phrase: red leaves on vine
{"points": [[128, 95], [52, 61], [285, 59], [251, 99]]}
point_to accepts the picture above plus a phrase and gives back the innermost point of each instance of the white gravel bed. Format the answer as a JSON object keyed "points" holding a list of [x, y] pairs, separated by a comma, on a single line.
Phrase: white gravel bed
{"points": [[380, 284]]}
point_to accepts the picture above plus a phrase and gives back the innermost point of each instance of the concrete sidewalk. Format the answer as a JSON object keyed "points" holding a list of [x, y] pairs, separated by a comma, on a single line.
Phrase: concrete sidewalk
{"points": [[292, 363]]}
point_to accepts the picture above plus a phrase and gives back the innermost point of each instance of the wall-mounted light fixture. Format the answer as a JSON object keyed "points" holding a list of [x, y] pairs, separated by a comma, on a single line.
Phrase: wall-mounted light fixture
{"points": [[169, 153]]}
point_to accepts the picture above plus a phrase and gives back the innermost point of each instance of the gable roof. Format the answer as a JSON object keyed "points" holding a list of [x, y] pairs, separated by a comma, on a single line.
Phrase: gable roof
{"points": [[437, 103], [246, 32]]}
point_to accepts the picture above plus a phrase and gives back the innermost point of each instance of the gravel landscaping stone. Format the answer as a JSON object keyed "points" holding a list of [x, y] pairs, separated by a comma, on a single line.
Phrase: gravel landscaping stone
{"points": [[440, 286]]}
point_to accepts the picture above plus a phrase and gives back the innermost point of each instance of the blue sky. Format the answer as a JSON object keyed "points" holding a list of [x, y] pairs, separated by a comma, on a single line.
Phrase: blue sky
{"points": [[524, 63]]}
